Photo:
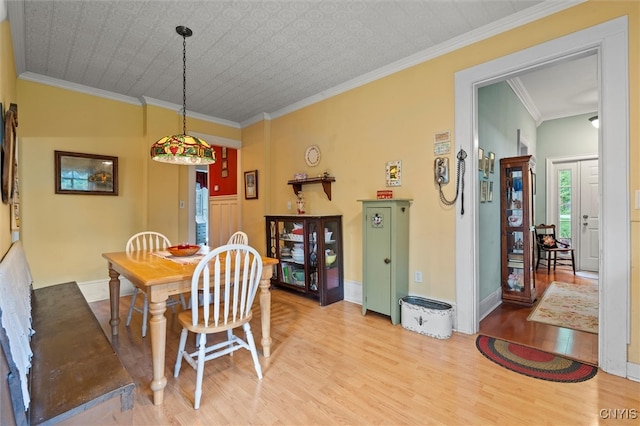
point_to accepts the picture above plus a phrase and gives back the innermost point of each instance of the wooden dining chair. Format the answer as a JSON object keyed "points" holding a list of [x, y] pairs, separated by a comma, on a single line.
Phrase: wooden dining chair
{"points": [[149, 241], [548, 248], [238, 237], [228, 278]]}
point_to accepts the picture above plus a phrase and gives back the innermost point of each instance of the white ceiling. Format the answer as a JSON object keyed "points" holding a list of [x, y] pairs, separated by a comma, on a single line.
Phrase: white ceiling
{"points": [[248, 58]]}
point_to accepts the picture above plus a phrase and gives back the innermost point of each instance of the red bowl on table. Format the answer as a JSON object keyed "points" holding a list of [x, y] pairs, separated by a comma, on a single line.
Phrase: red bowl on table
{"points": [[183, 250]]}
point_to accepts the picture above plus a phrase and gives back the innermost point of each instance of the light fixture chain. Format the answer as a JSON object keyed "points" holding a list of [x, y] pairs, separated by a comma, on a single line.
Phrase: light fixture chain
{"points": [[184, 84]]}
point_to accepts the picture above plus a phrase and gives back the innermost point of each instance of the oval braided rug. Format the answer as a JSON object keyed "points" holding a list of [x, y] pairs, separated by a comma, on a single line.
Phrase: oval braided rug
{"points": [[532, 362]]}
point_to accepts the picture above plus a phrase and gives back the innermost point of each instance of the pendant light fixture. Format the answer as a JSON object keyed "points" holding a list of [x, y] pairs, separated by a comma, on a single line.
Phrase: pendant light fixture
{"points": [[183, 149]]}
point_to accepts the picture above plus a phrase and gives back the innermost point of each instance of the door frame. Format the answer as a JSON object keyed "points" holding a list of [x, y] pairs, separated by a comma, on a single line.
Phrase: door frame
{"points": [[551, 192], [610, 41], [191, 195]]}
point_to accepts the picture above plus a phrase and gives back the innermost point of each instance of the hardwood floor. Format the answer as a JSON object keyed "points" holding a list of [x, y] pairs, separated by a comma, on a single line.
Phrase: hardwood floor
{"points": [[332, 365], [509, 322]]}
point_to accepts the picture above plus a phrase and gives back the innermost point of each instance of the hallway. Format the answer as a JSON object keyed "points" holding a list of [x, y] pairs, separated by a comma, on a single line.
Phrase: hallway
{"points": [[509, 322]]}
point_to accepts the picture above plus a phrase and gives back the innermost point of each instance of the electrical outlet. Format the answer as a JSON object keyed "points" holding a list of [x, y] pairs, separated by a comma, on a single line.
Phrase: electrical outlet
{"points": [[182, 204], [288, 205], [418, 277]]}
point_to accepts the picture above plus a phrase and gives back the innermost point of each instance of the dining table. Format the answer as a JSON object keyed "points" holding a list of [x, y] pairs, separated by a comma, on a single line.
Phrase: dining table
{"points": [[160, 275]]}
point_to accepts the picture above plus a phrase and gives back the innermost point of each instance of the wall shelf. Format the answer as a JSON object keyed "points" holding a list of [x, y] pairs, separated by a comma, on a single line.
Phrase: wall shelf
{"points": [[325, 181]]}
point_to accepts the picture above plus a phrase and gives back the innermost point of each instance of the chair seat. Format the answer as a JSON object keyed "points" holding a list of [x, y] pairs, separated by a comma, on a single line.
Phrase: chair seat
{"points": [[184, 318]]}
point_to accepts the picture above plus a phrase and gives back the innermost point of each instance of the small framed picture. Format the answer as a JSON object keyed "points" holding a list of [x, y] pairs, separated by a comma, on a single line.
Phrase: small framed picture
{"points": [[481, 159], [492, 162], [484, 189], [490, 196], [224, 152], [394, 173], [485, 172], [251, 185]]}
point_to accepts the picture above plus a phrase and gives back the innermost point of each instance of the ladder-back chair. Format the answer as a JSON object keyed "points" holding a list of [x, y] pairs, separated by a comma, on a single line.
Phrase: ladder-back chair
{"points": [[548, 248]]}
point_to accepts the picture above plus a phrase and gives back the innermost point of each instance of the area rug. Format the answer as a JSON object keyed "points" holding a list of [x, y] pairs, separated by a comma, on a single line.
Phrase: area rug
{"points": [[566, 305], [532, 362]]}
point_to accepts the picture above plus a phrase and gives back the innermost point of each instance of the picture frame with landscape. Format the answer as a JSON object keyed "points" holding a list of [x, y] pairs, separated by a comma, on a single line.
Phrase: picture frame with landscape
{"points": [[85, 174]]}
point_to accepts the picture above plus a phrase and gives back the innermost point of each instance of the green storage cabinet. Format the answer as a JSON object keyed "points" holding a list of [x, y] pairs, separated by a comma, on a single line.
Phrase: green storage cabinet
{"points": [[385, 252]]}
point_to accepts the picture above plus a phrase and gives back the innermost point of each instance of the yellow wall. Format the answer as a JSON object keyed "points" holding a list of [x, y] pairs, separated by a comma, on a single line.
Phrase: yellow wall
{"points": [[256, 155], [8, 95], [64, 235], [394, 118]]}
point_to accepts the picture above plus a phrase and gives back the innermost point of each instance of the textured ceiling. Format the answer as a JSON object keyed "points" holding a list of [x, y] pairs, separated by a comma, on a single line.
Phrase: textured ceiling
{"points": [[245, 57]]}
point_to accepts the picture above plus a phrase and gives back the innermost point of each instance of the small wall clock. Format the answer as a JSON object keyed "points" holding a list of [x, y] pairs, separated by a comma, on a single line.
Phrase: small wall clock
{"points": [[312, 156]]}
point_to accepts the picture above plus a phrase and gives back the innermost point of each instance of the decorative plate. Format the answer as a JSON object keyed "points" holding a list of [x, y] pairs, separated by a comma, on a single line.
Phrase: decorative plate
{"points": [[312, 156]]}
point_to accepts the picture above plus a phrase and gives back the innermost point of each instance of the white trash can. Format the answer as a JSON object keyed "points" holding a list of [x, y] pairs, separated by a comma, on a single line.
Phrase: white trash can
{"points": [[427, 316]]}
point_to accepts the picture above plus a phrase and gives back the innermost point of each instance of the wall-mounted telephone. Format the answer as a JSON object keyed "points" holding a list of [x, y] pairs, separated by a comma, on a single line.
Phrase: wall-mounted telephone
{"points": [[441, 169], [441, 172]]}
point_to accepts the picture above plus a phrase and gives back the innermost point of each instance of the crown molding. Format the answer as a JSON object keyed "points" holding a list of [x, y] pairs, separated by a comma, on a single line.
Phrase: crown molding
{"points": [[549, 7], [144, 100], [63, 84], [534, 13], [255, 119], [522, 94], [178, 108]]}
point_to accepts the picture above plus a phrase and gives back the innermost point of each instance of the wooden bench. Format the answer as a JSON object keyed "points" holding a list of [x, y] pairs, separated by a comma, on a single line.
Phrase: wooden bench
{"points": [[76, 376]]}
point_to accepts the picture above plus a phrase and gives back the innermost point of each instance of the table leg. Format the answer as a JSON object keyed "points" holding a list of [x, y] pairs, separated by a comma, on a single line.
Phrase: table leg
{"points": [[158, 326], [114, 298], [265, 311]]}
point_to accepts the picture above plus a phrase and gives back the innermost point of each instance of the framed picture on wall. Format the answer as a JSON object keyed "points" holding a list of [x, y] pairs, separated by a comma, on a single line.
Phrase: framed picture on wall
{"points": [[393, 173], [485, 171], [481, 159], [484, 189], [87, 174], [251, 185], [492, 162]]}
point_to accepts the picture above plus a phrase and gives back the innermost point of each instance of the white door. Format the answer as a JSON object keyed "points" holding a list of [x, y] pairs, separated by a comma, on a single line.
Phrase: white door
{"points": [[573, 205], [588, 250]]}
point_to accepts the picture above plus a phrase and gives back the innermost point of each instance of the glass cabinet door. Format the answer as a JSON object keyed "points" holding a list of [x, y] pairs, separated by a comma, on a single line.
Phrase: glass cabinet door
{"points": [[291, 252], [332, 255], [518, 276], [514, 228]]}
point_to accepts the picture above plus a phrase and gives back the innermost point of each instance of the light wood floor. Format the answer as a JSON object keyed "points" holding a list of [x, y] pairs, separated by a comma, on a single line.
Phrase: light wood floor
{"points": [[332, 365], [509, 322]]}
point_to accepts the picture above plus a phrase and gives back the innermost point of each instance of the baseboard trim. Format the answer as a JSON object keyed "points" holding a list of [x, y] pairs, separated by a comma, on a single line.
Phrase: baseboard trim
{"points": [[353, 292], [94, 291], [633, 371], [488, 304]]}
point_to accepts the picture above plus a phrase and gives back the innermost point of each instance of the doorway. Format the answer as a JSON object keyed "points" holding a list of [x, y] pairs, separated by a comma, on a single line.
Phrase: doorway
{"points": [[609, 41], [573, 203]]}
